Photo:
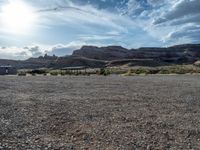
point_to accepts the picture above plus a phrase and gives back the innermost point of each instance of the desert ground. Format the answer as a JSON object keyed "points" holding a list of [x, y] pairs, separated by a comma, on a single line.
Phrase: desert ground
{"points": [[97, 112]]}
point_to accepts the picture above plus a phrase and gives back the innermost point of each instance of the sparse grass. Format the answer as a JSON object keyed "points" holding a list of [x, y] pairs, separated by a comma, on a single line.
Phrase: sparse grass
{"points": [[179, 69], [176, 69]]}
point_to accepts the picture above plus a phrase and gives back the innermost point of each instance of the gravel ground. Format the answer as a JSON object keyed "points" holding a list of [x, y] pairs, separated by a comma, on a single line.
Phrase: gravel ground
{"points": [[115, 112]]}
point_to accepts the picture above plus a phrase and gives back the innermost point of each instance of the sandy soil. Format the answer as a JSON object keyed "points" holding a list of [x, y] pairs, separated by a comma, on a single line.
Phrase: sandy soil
{"points": [[115, 112]]}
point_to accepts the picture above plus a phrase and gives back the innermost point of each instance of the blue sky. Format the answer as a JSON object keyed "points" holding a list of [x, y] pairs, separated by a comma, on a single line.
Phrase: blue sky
{"points": [[30, 28]]}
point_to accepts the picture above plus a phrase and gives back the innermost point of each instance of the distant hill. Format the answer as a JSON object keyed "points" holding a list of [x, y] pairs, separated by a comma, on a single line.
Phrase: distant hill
{"points": [[95, 57], [73, 61], [103, 53]]}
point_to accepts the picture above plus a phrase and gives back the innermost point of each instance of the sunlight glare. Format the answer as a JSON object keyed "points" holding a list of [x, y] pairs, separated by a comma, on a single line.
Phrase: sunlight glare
{"points": [[17, 17]]}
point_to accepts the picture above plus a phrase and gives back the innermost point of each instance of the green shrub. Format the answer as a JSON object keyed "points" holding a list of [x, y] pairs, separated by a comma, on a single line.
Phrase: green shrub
{"points": [[181, 71], [63, 73], [22, 74], [164, 71], [175, 70], [142, 71], [33, 74], [104, 72], [129, 72], [39, 71], [54, 73], [77, 73], [154, 71]]}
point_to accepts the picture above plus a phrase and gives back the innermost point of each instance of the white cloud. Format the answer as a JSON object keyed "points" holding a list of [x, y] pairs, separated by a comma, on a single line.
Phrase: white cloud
{"points": [[133, 6], [173, 21], [21, 52], [156, 2], [180, 9], [14, 53], [88, 15], [65, 49], [189, 32], [37, 50]]}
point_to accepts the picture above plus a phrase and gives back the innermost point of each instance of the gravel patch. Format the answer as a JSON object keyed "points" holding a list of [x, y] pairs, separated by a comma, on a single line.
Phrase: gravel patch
{"points": [[95, 112]]}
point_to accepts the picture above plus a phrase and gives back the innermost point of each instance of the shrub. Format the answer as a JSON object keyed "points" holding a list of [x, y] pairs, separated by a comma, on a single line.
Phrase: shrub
{"points": [[33, 74], [22, 74], [77, 73], [154, 71], [175, 70], [142, 71], [181, 71], [129, 72], [37, 72], [197, 63], [164, 71], [54, 73], [104, 72], [63, 73]]}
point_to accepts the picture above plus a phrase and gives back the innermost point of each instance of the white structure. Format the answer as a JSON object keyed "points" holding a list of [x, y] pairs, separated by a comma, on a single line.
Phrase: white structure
{"points": [[7, 70]]}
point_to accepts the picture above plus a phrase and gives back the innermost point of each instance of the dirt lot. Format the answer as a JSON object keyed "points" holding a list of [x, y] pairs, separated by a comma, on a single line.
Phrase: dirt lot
{"points": [[115, 112]]}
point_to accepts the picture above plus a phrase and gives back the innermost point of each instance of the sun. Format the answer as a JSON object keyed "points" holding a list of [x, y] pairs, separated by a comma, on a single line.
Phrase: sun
{"points": [[17, 17]]}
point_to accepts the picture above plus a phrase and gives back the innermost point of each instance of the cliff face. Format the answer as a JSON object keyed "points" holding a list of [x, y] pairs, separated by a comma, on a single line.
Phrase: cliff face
{"points": [[91, 56], [102, 53], [176, 54], [115, 52], [73, 61]]}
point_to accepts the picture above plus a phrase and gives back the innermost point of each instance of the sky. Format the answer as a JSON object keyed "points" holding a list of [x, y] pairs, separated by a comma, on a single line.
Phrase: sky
{"points": [[30, 28]]}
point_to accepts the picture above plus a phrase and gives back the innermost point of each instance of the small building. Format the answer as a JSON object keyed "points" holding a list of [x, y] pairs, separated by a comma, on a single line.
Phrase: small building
{"points": [[8, 70]]}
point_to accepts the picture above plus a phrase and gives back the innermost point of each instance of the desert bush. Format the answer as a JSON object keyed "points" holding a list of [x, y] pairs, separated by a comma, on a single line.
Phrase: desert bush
{"points": [[129, 72], [37, 71], [154, 71], [164, 71], [54, 73], [76, 73], [181, 69], [104, 72], [66, 72], [176, 69], [171, 70], [63, 73], [197, 63], [141, 71], [33, 74], [21, 73]]}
